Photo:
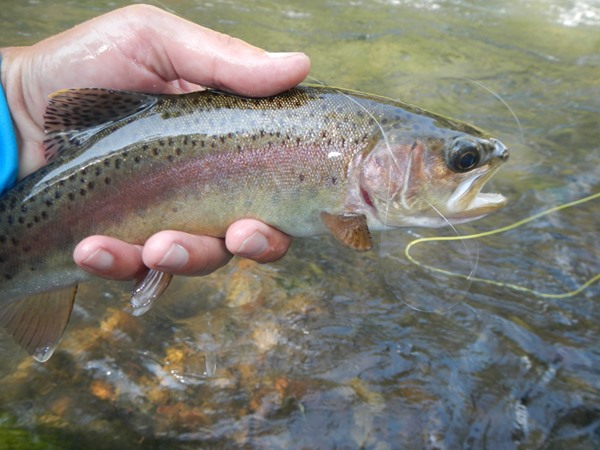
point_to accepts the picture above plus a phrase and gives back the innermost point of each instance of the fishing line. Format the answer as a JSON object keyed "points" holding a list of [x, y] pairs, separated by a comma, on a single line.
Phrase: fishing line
{"points": [[500, 99], [512, 286]]}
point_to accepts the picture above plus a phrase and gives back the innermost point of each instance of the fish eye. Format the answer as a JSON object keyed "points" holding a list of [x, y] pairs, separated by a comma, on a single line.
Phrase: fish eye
{"points": [[465, 155]]}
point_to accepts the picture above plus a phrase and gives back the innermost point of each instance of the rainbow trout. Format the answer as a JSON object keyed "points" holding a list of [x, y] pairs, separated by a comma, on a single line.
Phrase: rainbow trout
{"points": [[309, 161]]}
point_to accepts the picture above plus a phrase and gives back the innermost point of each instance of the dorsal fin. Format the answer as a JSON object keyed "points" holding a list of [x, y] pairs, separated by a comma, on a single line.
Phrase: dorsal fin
{"points": [[73, 115], [38, 322], [350, 229]]}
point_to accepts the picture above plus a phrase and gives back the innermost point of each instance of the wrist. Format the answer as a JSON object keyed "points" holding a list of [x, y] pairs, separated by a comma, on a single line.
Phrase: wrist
{"points": [[17, 87], [9, 156]]}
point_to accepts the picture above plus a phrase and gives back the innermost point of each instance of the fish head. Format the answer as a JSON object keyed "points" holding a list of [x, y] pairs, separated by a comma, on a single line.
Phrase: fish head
{"points": [[434, 180]]}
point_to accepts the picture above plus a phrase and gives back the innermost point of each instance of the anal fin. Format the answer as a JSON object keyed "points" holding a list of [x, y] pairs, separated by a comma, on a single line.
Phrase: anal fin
{"points": [[38, 322], [350, 229]]}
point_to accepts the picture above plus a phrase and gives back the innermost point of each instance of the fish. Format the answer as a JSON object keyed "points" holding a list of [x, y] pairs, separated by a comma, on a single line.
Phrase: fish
{"points": [[309, 161]]}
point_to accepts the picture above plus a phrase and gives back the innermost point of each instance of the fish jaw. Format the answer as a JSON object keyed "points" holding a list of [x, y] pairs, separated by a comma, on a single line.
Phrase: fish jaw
{"points": [[469, 203]]}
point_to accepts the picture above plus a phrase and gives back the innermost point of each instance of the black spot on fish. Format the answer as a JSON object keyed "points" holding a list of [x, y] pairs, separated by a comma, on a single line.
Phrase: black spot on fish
{"points": [[170, 158], [178, 151], [82, 192], [118, 163], [137, 159], [71, 196], [91, 185], [333, 180], [57, 194], [107, 180], [10, 220], [21, 220], [49, 202], [15, 242], [44, 214], [301, 177], [98, 171], [2, 239], [8, 276], [23, 208]]}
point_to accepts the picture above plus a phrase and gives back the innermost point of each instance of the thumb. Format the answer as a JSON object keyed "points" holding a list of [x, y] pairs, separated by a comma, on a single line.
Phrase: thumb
{"points": [[198, 55]]}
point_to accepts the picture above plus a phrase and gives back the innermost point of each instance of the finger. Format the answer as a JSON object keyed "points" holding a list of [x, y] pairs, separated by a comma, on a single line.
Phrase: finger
{"points": [[184, 254], [183, 50], [107, 257], [255, 240]]}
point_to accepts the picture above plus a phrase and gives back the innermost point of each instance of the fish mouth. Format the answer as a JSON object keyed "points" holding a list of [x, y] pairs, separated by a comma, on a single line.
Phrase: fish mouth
{"points": [[468, 202]]}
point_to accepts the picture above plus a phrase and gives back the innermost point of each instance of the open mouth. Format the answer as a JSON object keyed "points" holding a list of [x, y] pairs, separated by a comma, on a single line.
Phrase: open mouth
{"points": [[468, 201]]}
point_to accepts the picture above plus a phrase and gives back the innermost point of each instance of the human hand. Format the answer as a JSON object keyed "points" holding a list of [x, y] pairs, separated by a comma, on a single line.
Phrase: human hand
{"points": [[142, 48]]}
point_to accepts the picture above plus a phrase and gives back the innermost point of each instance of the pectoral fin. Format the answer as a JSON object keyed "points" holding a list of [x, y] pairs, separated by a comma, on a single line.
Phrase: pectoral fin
{"points": [[147, 290], [349, 229], [38, 322]]}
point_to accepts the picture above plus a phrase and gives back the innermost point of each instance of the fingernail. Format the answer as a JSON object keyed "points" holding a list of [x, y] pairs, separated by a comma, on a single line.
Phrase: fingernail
{"points": [[175, 258], [281, 54], [99, 260], [253, 245]]}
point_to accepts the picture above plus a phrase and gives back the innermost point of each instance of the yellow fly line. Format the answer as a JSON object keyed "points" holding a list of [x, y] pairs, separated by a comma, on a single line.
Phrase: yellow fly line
{"points": [[515, 287]]}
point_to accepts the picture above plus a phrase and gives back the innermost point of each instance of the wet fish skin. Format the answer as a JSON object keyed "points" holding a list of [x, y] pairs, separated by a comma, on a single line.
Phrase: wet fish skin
{"points": [[131, 164]]}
